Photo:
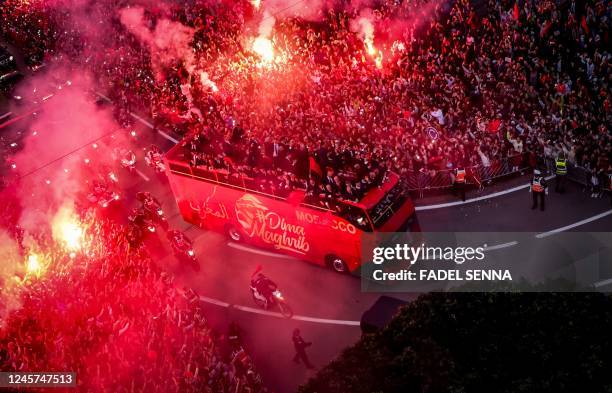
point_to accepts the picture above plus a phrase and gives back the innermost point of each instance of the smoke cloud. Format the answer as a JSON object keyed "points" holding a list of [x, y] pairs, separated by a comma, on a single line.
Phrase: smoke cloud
{"points": [[51, 162], [168, 42]]}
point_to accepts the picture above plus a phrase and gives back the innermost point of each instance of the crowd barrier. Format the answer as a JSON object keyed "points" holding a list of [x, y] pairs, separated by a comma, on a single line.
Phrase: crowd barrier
{"points": [[424, 180], [582, 176]]}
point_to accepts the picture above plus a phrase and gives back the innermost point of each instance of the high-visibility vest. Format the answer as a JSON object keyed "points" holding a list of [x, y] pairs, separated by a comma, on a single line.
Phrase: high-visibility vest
{"points": [[536, 185], [561, 167], [460, 176]]}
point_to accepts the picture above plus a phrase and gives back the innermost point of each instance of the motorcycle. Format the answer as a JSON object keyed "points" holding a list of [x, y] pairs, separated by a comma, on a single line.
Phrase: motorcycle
{"points": [[126, 158], [182, 247], [113, 177], [275, 297], [139, 220], [152, 209], [153, 160], [102, 196]]}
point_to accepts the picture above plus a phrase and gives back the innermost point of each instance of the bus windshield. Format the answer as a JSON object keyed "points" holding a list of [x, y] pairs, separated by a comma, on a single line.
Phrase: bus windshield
{"points": [[386, 207]]}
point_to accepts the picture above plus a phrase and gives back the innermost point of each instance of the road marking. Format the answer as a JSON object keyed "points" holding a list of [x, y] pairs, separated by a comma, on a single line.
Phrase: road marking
{"points": [[7, 114], [503, 245], [255, 250], [574, 225], [168, 137], [142, 175], [279, 315], [143, 121], [214, 301], [481, 198], [327, 321], [151, 126], [603, 283], [105, 98]]}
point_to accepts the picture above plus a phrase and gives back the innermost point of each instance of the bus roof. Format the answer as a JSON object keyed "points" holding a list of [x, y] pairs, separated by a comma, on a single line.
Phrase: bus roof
{"points": [[180, 155]]}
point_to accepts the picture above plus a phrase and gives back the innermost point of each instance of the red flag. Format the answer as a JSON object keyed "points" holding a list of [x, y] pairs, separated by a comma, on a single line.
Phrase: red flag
{"points": [[314, 166], [493, 125], [545, 27], [584, 25], [516, 12]]}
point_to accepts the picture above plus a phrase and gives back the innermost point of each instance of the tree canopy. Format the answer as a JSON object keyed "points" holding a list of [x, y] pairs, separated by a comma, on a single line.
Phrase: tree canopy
{"points": [[485, 342]]}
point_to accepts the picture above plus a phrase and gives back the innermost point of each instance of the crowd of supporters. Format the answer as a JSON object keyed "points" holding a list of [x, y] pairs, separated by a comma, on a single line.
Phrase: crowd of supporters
{"points": [[445, 87], [109, 314], [527, 80]]}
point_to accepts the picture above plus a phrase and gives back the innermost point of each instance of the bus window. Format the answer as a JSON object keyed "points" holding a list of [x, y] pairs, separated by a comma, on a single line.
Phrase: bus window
{"points": [[355, 215], [388, 205]]}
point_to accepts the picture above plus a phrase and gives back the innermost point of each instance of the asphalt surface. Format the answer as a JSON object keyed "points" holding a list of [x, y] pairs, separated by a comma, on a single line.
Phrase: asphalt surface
{"points": [[327, 305]]}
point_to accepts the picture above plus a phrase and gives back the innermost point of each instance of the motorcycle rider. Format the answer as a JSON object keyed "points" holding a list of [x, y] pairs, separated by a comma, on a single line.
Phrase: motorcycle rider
{"points": [[180, 242], [154, 152], [148, 201], [99, 187], [263, 285], [154, 156], [126, 157]]}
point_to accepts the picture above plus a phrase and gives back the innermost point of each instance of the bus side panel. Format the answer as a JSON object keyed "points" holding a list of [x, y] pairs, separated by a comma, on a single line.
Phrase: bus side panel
{"points": [[331, 236], [202, 203], [266, 222]]}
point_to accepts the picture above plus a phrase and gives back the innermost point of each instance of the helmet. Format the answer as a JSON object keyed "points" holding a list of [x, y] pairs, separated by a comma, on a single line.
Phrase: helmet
{"points": [[537, 172], [142, 195]]}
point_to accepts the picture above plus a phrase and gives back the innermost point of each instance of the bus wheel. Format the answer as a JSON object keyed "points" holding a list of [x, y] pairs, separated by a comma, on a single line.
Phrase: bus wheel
{"points": [[233, 233], [337, 264]]}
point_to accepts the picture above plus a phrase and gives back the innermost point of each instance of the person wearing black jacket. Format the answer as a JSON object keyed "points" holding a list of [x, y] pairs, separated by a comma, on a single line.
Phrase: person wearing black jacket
{"points": [[300, 349]]}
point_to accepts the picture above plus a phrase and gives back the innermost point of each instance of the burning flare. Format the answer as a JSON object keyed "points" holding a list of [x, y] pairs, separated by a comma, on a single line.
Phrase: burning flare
{"points": [[33, 265], [67, 229], [263, 47]]}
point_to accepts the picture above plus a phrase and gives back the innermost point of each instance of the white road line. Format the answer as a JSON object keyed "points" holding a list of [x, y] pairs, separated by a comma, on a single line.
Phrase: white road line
{"points": [[143, 121], [214, 301], [151, 126], [142, 175], [481, 198], [105, 98], [7, 114], [255, 250], [499, 246], [603, 283], [168, 137], [279, 315], [327, 321], [574, 225]]}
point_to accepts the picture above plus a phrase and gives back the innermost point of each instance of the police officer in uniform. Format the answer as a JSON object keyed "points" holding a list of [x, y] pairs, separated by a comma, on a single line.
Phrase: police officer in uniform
{"points": [[561, 171], [538, 189], [459, 182]]}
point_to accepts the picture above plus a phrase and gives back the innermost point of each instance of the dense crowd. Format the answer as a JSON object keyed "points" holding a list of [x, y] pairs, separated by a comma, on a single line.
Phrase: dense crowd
{"points": [[447, 87], [441, 87], [108, 313]]}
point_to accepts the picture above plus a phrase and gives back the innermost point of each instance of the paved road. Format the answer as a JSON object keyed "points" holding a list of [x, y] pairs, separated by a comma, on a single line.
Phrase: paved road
{"points": [[333, 302]]}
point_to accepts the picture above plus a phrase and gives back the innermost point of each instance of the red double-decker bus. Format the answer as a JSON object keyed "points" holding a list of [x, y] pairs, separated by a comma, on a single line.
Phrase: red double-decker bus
{"points": [[324, 232]]}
